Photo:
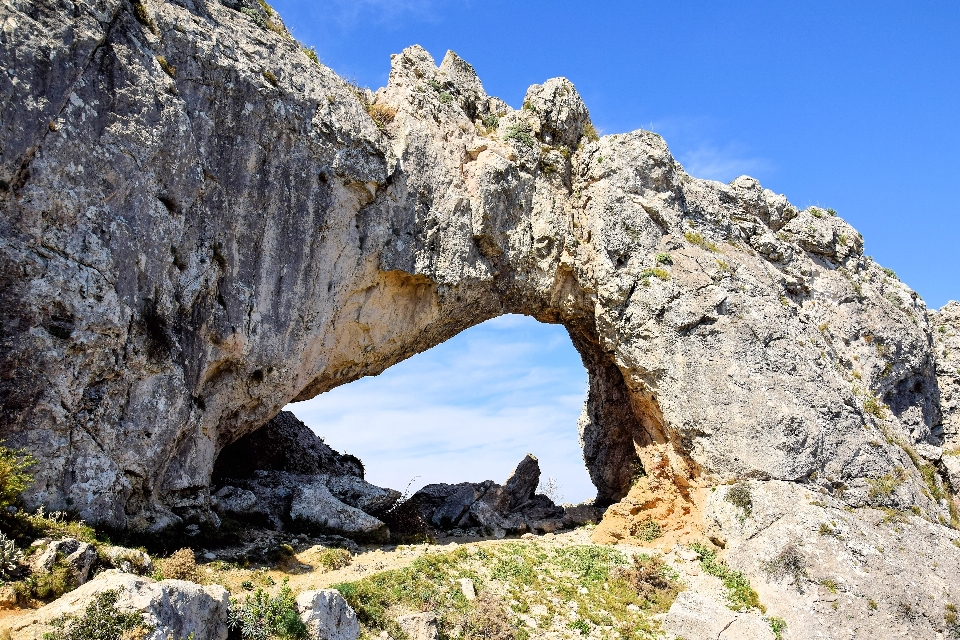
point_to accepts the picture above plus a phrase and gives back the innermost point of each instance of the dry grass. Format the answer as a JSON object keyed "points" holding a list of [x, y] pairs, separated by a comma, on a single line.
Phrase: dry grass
{"points": [[381, 114], [180, 566]]}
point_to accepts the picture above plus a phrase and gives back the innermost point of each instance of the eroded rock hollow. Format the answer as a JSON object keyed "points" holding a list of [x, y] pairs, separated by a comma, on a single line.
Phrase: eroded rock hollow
{"points": [[202, 224]]}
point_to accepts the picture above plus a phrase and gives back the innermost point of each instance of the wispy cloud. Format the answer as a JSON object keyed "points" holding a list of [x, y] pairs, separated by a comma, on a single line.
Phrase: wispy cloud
{"points": [[469, 409], [721, 163]]}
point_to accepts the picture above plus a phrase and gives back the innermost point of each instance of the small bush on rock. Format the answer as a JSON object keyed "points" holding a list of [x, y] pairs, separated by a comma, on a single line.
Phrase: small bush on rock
{"points": [[739, 496], [262, 616], [789, 562], [332, 559], [381, 114], [739, 592], [649, 577], [100, 621]]}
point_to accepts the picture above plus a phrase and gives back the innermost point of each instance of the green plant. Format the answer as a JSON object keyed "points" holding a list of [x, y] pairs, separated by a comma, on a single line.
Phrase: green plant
{"points": [[263, 617], [789, 562], [885, 485], [739, 495], [310, 53], [491, 122], [143, 17], [950, 614], [445, 97], [739, 592], [832, 212], [664, 259], [694, 237], [655, 272], [100, 620], [331, 559], [828, 530], [830, 585], [778, 626], [874, 407], [590, 132], [246, 585], [10, 557], [521, 133], [872, 604], [270, 77], [14, 477], [816, 213], [649, 530], [168, 68], [581, 625], [889, 272]]}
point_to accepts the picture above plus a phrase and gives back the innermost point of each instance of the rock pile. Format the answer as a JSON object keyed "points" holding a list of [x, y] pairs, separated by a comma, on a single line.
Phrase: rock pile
{"points": [[487, 508], [284, 476]]}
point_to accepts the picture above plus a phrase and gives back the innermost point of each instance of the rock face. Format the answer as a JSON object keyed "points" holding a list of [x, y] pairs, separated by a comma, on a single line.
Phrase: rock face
{"points": [[200, 225], [172, 608]]}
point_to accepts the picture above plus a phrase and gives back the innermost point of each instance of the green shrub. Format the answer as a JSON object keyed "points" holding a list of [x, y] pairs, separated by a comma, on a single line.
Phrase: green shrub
{"points": [[491, 122], [270, 77], [311, 53], [649, 530], [520, 133], [263, 617], [655, 272], [694, 237], [739, 592], [874, 407], [14, 477], [100, 621], [778, 626], [789, 562], [890, 272], [331, 559], [581, 625], [739, 495], [664, 259]]}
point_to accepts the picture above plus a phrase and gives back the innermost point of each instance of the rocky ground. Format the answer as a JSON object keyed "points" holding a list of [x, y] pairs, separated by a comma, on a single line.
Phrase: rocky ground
{"points": [[775, 561]]}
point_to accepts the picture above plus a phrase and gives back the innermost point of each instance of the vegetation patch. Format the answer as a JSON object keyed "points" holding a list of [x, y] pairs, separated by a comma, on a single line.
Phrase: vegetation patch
{"points": [[521, 134], [694, 237], [100, 620], [524, 590], [263, 617], [181, 565], [381, 114], [739, 495], [739, 592], [790, 562], [656, 272]]}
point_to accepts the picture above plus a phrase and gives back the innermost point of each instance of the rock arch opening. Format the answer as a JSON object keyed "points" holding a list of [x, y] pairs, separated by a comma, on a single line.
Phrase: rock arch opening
{"points": [[521, 386]]}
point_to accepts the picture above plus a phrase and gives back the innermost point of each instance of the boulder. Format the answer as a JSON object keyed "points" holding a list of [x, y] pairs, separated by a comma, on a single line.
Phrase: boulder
{"points": [[522, 483], [327, 615], [419, 626], [359, 493], [128, 560], [314, 507], [80, 556], [173, 608], [235, 501]]}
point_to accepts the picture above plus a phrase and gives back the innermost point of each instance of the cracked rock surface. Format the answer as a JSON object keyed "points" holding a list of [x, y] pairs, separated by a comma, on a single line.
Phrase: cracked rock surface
{"points": [[200, 224]]}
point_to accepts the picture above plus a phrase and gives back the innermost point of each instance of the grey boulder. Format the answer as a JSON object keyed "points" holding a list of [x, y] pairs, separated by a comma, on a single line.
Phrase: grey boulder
{"points": [[327, 615], [314, 507]]}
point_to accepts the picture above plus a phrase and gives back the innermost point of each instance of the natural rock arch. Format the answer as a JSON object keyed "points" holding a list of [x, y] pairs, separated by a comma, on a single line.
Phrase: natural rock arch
{"points": [[236, 239]]}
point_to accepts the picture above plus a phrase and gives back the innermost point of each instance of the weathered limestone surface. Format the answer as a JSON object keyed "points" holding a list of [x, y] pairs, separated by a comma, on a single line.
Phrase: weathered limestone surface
{"points": [[200, 224]]}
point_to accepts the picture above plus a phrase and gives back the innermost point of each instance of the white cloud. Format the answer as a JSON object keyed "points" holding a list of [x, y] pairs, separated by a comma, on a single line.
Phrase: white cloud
{"points": [[722, 164], [469, 409]]}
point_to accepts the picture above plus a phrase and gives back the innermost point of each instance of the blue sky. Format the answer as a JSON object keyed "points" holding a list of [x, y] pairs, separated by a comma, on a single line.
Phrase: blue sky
{"points": [[849, 105]]}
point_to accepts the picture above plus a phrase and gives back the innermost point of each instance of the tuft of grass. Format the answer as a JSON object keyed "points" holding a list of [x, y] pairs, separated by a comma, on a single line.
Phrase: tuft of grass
{"points": [[828, 530], [890, 273], [874, 407], [270, 77], [143, 17], [100, 620], [331, 559], [739, 495], [664, 259], [181, 565], [694, 237], [168, 68], [590, 132], [739, 592], [311, 53], [885, 485], [832, 212], [655, 272], [381, 114]]}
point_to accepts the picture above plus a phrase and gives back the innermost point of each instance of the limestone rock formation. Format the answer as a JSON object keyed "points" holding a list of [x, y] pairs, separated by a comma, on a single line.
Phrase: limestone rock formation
{"points": [[201, 224]]}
